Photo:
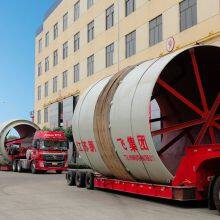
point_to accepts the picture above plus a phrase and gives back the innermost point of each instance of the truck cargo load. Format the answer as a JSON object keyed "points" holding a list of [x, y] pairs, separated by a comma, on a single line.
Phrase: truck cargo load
{"points": [[155, 124]]}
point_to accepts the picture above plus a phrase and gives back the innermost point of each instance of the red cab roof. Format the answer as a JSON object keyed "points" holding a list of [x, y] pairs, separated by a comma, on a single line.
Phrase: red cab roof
{"points": [[50, 135]]}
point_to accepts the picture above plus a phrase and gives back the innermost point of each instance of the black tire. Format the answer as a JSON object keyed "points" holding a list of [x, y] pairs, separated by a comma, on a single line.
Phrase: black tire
{"points": [[58, 171], [33, 169], [19, 166], [216, 194], [70, 178], [14, 166], [80, 179], [89, 180], [211, 204], [42, 171]]}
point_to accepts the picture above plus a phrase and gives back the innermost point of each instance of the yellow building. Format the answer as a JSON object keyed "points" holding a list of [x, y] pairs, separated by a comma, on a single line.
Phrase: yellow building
{"points": [[82, 41]]}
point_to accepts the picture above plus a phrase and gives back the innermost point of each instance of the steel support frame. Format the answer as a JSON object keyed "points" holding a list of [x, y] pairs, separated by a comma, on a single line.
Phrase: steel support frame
{"points": [[146, 189], [208, 118], [185, 186]]}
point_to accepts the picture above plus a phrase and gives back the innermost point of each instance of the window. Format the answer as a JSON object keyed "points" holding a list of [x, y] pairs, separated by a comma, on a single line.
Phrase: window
{"points": [[89, 3], [109, 54], [188, 14], [55, 84], [76, 10], [39, 45], [47, 65], [65, 21], [39, 116], [60, 114], [55, 31], [46, 89], [47, 39], [129, 7], [65, 50], [90, 65], [76, 41], [65, 79], [39, 69], [90, 31], [55, 57], [39, 93], [76, 72], [46, 115], [155, 30], [130, 42], [109, 17]]}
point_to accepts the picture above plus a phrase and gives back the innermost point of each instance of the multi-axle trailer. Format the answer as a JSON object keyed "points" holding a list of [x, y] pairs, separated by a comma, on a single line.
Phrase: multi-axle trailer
{"points": [[154, 128], [198, 178]]}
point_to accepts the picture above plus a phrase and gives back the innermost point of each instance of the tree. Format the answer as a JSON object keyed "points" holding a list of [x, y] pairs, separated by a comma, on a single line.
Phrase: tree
{"points": [[45, 128], [69, 134], [67, 131], [59, 129]]}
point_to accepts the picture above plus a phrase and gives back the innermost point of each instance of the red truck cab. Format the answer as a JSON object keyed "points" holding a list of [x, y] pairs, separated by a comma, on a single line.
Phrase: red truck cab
{"points": [[48, 152]]}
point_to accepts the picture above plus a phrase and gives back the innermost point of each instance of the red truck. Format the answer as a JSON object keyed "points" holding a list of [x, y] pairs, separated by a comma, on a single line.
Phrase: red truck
{"points": [[48, 152]]}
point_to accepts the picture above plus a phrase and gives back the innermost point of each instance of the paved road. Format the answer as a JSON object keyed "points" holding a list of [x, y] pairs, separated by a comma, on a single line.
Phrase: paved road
{"points": [[34, 197]]}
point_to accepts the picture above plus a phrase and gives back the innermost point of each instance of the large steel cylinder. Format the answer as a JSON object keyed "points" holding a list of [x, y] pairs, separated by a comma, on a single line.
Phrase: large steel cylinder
{"points": [[136, 124], [25, 130]]}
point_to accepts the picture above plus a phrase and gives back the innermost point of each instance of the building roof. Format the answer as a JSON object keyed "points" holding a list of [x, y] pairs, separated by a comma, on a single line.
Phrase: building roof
{"points": [[47, 14]]}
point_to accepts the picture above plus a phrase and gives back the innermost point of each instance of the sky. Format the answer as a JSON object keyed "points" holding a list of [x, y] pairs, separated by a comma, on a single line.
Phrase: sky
{"points": [[19, 20]]}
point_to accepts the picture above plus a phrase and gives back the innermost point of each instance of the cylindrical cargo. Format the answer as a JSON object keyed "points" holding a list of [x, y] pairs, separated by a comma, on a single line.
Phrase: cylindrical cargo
{"points": [[25, 130], [136, 124]]}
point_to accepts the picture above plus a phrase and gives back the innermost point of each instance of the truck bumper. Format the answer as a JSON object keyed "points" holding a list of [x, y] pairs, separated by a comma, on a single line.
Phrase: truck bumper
{"points": [[53, 167]]}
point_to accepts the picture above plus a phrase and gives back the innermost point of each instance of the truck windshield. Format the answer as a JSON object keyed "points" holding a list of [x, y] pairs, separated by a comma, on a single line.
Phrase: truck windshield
{"points": [[54, 145]]}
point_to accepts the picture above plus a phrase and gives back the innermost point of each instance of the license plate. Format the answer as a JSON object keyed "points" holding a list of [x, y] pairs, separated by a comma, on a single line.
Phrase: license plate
{"points": [[54, 164]]}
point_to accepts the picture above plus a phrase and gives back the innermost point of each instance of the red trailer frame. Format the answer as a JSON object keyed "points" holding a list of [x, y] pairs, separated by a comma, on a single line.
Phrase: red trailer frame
{"points": [[191, 182]]}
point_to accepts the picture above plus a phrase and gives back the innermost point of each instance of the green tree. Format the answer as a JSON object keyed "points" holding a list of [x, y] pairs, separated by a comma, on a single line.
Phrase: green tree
{"points": [[45, 128], [69, 134], [59, 129]]}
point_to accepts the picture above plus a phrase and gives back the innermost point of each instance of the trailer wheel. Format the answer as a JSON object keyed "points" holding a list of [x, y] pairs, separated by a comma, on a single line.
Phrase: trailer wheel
{"points": [[19, 166], [89, 180], [216, 194], [14, 166], [70, 178], [33, 168], [80, 179]]}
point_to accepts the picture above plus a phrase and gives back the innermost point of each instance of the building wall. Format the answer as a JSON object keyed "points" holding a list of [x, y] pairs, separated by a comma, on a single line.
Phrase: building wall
{"points": [[206, 31]]}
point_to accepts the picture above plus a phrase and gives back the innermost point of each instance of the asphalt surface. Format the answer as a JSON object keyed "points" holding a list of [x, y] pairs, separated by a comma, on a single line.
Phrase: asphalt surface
{"points": [[46, 196]]}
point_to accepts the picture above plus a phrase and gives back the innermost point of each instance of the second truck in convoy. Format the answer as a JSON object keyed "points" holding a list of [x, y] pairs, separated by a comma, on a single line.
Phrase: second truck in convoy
{"points": [[48, 152], [35, 150]]}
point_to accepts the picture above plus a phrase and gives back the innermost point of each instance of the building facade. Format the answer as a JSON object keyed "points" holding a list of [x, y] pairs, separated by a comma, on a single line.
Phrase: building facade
{"points": [[82, 41]]}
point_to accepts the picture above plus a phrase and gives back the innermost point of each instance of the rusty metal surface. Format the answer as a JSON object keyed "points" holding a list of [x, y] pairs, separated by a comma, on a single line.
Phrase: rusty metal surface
{"points": [[128, 120], [102, 129]]}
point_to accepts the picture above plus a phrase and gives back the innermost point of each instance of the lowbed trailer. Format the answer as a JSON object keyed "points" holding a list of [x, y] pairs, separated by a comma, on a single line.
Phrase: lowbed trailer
{"points": [[200, 181], [156, 125]]}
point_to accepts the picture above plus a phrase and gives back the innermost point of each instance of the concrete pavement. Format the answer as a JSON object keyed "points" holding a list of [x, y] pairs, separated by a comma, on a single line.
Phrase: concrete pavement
{"points": [[38, 197]]}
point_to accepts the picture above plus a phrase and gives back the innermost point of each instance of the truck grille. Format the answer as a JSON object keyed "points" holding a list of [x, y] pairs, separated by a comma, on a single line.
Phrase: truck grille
{"points": [[53, 164], [53, 157]]}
